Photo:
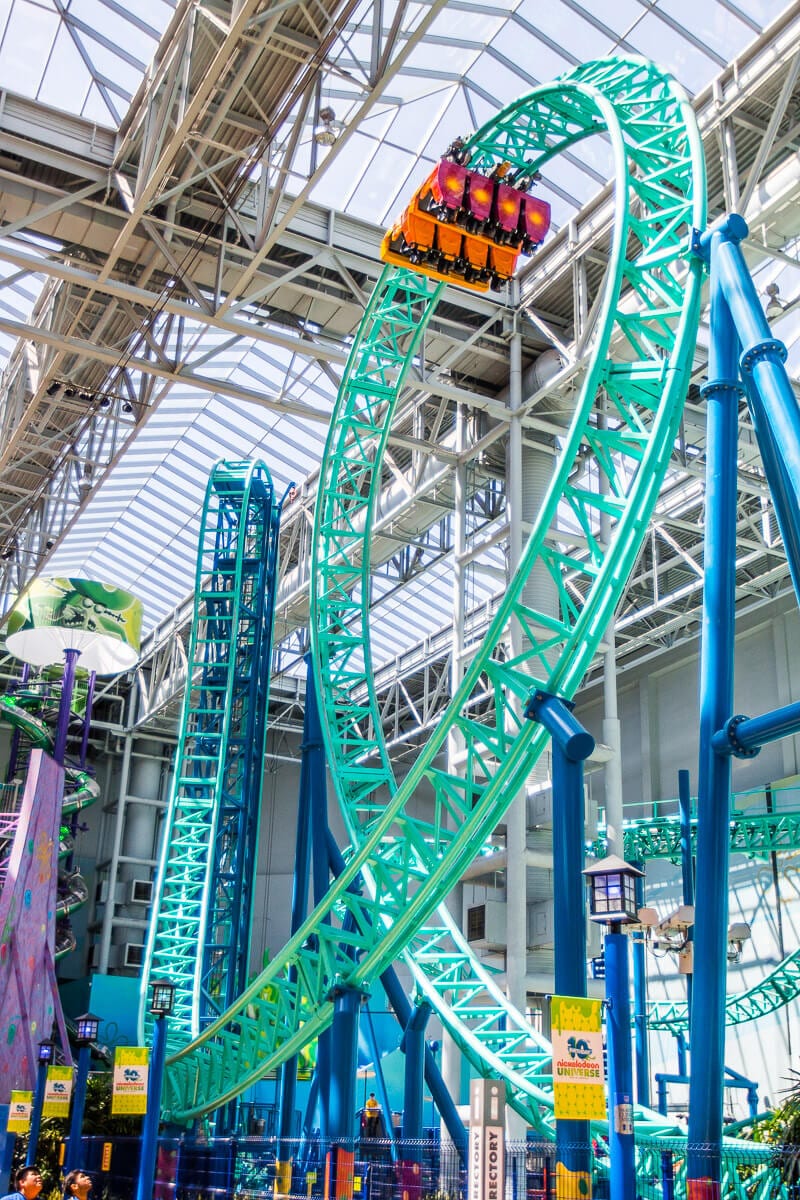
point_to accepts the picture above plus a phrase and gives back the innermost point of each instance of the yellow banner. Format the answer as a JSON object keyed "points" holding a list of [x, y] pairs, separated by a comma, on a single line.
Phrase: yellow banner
{"points": [[131, 1068], [57, 1092], [578, 1077], [19, 1112]]}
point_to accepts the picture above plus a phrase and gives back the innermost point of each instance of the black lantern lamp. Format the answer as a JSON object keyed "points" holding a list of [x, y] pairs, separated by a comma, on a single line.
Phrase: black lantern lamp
{"points": [[47, 1050], [612, 891], [86, 1029], [163, 998]]}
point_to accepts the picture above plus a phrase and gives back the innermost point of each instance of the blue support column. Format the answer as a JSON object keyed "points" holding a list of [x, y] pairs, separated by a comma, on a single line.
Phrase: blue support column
{"points": [[310, 763], [620, 1068], [147, 1161], [642, 1047], [722, 394], [571, 745], [7, 1143], [687, 864], [342, 1106], [414, 1046], [36, 1113], [72, 1156]]}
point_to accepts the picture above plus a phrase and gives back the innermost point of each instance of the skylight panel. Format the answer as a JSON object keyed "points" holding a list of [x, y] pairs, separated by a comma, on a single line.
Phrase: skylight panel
{"points": [[655, 39], [27, 41]]}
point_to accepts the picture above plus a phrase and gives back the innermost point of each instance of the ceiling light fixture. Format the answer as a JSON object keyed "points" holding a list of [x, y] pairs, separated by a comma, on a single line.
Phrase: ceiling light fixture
{"points": [[329, 128]]}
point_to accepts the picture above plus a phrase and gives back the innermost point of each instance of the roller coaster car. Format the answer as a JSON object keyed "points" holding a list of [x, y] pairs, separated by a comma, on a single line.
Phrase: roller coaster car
{"points": [[465, 226]]}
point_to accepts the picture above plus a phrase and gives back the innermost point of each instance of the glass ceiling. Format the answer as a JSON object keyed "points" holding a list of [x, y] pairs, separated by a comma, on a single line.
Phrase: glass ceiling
{"points": [[140, 527]]}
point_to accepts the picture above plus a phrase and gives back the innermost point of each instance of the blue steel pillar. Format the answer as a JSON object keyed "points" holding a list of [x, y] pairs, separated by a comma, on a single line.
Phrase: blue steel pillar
{"points": [[707, 1044], [640, 1005], [620, 1068], [571, 745], [687, 866], [312, 761], [342, 1101], [36, 1112], [414, 1046], [147, 1162], [73, 1151]]}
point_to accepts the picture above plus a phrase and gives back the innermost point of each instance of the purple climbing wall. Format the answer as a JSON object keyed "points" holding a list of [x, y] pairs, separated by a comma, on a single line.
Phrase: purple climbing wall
{"points": [[28, 995]]}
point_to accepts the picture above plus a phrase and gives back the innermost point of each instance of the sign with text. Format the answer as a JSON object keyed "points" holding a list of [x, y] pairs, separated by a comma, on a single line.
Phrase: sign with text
{"points": [[487, 1120], [579, 1092], [129, 1089], [19, 1112], [57, 1092]]}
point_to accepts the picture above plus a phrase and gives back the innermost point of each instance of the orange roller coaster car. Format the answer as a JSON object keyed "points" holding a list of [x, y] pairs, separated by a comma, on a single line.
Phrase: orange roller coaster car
{"points": [[467, 227]]}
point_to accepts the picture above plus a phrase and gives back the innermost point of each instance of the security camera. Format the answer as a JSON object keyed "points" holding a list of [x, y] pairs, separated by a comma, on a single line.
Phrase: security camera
{"points": [[738, 934], [678, 921]]}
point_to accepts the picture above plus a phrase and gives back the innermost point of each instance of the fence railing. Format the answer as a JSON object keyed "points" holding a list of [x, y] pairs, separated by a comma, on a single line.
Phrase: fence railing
{"points": [[260, 1168]]}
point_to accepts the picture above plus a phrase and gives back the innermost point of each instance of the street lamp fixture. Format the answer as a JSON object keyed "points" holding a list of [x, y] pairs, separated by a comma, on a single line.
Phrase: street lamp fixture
{"points": [[612, 902], [612, 891], [163, 998], [47, 1050], [86, 1029]]}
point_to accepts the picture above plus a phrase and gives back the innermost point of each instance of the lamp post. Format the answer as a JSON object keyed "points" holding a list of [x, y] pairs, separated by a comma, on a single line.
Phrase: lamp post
{"points": [[161, 1007], [45, 1056], [86, 1034], [612, 903]]}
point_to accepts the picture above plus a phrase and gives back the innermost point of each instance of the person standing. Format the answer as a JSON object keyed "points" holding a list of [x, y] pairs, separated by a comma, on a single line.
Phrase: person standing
{"points": [[372, 1112], [29, 1184], [77, 1185]]}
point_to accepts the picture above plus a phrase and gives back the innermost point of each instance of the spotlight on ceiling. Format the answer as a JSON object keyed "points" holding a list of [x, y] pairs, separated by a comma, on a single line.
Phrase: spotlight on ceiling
{"points": [[328, 129]]}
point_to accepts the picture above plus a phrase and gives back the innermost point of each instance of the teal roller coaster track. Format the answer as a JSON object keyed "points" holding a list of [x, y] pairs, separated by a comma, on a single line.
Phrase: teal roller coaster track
{"points": [[609, 467], [199, 934]]}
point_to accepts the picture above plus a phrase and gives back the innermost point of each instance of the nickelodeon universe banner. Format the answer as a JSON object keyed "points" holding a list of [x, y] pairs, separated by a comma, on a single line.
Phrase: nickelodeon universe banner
{"points": [[129, 1089], [57, 1092], [19, 1112], [579, 1092]]}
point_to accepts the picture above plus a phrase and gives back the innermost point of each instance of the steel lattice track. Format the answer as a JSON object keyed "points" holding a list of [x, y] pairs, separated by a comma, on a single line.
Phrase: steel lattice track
{"points": [[641, 351], [199, 928], [756, 835]]}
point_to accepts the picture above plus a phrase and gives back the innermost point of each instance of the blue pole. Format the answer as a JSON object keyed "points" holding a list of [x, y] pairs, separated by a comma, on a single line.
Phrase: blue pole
{"points": [[36, 1114], [571, 744], [772, 401], [642, 1048], [414, 1046], [147, 1162], [744, 736], [622, 1166], [73, 1151], [722, 394], [7, 1143], [687, 862], [342, 1102], [312, 740]]}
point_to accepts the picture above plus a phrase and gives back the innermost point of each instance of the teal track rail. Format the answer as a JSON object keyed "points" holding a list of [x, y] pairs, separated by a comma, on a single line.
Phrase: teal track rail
{"points": [[411, 842], [755, 835], [199, 929], [780, 987]]}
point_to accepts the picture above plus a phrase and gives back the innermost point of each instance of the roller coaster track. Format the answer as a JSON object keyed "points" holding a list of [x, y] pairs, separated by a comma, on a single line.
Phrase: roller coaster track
{"points": [[755, 835], [640, 350], [199, 933], [780, 987]]}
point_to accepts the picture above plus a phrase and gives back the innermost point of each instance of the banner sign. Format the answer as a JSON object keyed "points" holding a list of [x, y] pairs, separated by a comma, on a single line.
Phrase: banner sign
{"points": [[578, 1077], [19, 1112], [129, 1090], [487, 1119], [57, 1092]]}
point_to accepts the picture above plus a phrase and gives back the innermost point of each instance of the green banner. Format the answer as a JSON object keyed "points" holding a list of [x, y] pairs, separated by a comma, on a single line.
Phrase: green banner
{"points": [[103, 622], [578, 1078]]}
